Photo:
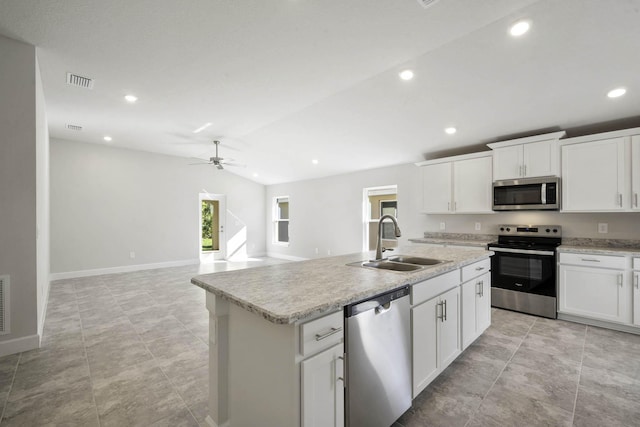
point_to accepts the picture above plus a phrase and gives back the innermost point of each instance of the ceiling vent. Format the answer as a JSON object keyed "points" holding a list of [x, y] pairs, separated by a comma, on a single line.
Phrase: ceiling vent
{"points": [[427, 3], [74, 127], [79, 81]]}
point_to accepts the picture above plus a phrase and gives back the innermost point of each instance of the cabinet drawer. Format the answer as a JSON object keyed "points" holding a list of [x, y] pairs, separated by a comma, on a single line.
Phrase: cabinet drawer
{"points": [[430, 288], [636, 263], [592, 260], [321, 333], [476, 269]]}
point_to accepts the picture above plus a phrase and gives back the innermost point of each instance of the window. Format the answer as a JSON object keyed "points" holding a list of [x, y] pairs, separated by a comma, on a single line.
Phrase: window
{"points": [[281, 220], [389, 207]]}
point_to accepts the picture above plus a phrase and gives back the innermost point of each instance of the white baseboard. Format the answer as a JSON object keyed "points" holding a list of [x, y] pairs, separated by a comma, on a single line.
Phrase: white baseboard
{"points": [[18, 345], [122, 269], [212, 423], [43, 314], [287, 257]]}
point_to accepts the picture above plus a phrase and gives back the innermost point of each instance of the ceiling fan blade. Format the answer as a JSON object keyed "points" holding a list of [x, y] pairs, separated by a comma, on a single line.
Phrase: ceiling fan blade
{"points": [[238, 165], [219, 165], [201, 163]]}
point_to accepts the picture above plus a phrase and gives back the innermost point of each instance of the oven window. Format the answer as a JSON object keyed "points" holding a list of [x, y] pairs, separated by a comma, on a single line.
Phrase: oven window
{"points": [[518, 195], [529, 268]]}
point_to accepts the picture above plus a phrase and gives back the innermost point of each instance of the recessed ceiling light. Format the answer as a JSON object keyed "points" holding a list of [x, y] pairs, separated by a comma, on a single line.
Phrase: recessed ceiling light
{"points": [[201, 128], [451, 130], [314, 161], [131, 98], [406, 75], [519, 28], [617, 92], [108, 138]]}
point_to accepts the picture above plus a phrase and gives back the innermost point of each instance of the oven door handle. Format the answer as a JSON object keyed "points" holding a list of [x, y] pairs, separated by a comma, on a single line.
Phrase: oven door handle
{"points": [[522, 251]]}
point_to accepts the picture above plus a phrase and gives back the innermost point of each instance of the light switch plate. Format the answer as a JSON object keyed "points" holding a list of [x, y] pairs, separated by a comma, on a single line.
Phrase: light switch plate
{"points": [[478, 226], [442, 226], [603, 227]]}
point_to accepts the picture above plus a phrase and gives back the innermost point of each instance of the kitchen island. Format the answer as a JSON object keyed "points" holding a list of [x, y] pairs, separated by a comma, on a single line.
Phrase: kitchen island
{"points": [[263, 322]]}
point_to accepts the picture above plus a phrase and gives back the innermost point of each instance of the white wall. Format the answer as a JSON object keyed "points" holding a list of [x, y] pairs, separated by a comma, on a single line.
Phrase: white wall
{"points": [[327, 214], [42, 202], [18, 189], [108, 201]]}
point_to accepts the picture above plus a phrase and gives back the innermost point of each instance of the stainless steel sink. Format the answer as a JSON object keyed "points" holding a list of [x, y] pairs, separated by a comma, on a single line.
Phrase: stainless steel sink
{"points": [[416, 260], [390, 265]]}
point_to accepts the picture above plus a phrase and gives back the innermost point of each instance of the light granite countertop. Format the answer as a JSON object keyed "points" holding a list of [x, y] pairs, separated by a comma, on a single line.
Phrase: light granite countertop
{"points": [[600, 250], [461, 239], [286, 293]]}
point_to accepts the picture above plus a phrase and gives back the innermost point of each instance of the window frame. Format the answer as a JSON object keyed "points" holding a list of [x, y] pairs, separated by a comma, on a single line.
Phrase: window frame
{"points": [[276, 220]]}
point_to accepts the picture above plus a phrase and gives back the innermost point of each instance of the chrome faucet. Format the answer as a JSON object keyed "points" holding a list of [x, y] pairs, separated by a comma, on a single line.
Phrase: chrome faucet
{"points": [[379, 248]]}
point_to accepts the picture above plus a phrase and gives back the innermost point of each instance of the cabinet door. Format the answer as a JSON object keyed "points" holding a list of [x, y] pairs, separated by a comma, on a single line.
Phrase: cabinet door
{"points": [[425, 344], [635, 172], [595, 292], [593, 176], [483, 303], [507, 162], [436, 186], [468, 312], [449, 330], [636, 298], [472, 181], [323, 389], [540, 158]]}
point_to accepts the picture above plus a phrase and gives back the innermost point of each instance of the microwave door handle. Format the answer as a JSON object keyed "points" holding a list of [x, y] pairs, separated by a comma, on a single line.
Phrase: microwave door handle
{"points": [[543, 193]]}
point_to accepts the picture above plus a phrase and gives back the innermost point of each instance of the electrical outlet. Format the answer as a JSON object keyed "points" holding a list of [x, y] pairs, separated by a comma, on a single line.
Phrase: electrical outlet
{"points": [[442, 226], [478, 226], [132, 254], [316, 251], [328, 251], [603, 227]]}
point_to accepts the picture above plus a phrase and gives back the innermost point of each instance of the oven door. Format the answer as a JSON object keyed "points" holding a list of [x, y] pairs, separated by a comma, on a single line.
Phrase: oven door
{"points": [[524, 270]]}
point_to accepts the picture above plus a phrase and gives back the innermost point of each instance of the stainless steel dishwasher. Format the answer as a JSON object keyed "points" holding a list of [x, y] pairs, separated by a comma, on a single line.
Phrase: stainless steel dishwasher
{"points": [[378, 359]]}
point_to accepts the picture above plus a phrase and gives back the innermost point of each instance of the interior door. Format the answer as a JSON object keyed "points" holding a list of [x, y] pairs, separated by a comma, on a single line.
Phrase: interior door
{"points": [[212, 241]]}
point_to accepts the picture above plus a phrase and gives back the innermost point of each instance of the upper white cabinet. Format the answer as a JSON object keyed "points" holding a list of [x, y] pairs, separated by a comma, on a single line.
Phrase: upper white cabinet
{"points": [[601, 173], [526, 157], [460, 184]]}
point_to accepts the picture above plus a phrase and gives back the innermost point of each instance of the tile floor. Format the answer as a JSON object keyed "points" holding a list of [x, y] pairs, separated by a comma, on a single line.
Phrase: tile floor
{"points": [[131, 349]]}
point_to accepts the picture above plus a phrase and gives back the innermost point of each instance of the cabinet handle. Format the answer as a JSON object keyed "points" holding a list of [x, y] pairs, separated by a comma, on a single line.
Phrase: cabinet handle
{"points": [[336, 368], [480, 287], [441, 315], [448, 206], [620, 279], [455, 206], [635, 199], [589, 260], [444, 310], [320, 337], [520, 170], [479, 268], [636, 280], [620, 199]]}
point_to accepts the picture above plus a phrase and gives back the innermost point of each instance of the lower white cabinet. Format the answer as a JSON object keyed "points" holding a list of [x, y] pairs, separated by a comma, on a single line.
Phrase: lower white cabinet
{"points": [[323, 389], [435, 337], [597, 293], [636, 291], [476, 308]]}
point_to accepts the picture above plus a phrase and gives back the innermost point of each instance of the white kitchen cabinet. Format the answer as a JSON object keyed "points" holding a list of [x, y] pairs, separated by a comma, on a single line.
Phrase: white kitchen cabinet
{"points": [[636, 291], [323, 389], [635, 172], [437, 187], [596, 293], [594, 176], [476, 308], [460, 184], [435, 337], [526, 157]]}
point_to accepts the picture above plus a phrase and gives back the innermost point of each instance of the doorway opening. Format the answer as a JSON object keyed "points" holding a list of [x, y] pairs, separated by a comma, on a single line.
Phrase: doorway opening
{"points": [[378, 201], [212, 242]]}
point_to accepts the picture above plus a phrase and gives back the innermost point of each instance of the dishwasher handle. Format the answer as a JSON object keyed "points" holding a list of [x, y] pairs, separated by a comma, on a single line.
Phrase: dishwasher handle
{"points": [[380, 303]]}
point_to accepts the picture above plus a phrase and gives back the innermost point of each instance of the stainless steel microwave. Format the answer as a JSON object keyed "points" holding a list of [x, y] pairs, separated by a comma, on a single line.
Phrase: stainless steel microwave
{"points": [[542, 193]]}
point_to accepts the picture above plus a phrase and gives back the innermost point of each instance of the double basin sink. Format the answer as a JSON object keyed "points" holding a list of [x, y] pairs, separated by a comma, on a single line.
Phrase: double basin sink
{"points": [[400, 263]]}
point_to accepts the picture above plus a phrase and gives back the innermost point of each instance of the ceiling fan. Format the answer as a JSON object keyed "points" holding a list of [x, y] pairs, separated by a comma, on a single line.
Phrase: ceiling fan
{"points": [[218, 161]]}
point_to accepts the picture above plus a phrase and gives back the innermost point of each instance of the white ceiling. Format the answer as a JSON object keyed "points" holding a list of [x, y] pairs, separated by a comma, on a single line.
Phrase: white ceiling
{"points": [[286, 81]]}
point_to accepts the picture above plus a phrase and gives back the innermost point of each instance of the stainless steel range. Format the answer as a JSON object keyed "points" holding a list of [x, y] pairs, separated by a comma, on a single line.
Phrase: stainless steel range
{"points": [[523, 269]]}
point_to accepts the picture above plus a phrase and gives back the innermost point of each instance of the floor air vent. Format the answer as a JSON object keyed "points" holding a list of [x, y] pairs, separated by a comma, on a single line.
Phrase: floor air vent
{"points": [[427, 3], [79, 81], [4, 305]]}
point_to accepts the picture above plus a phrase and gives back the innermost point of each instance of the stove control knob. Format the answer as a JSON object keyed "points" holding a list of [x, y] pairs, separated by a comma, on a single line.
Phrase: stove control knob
{"points": [[501, 228], [508, 229], [555, 230], [548, 230]]}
